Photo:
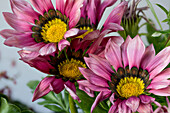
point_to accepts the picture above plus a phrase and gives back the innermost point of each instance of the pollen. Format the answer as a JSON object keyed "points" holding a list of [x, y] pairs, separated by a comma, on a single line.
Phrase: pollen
{"points": [[130, 86], [87, 32], [54, 30], [70, 68]]}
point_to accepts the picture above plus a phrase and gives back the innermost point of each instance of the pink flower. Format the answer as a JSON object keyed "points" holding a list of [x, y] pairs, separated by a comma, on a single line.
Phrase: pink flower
{"points": [[91, 14], [41, 32], [65, 71], [126, 73]]}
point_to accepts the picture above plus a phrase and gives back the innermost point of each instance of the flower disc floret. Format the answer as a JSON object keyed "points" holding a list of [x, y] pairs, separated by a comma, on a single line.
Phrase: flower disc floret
{"points": [[70, 68], [54, 30], [130, 86]]}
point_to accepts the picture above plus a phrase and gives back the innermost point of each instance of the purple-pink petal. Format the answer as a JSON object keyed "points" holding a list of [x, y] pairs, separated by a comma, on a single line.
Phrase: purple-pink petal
{"points": [[72, 93], [145, 99], [145, 108], [147, 56], [100, 97], [87, 90], [135, 51], [133, 103], [124, 51], [159, 62], [161, 92], [113, 54], [57, 85], [62, 44], [159, 85], [48, 49], [93, 78], [43, 88], [39, 5], [17, 24], [71, 32]]}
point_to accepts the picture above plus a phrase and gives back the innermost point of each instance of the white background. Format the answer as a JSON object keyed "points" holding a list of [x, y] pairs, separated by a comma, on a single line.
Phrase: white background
{"points": [[25, 73]]}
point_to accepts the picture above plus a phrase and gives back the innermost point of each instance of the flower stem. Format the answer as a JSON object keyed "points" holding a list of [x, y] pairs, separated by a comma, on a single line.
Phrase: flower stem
{"points": [[72, 105]]}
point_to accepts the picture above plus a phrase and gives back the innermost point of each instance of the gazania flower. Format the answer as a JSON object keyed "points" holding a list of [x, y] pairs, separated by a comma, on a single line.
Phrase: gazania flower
{"points": [[91, 14], [126, 74], [41, 32], [64, 68]]}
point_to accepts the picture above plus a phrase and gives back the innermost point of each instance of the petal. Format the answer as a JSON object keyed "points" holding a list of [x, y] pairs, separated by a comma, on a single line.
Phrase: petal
{"points": [[114, 107], [71, 32], [135, 51], [74, 15], [17, 24], [39, 5], [164, 75], [103, 6], [100, 97], [24, 11], [145, 99], [161, 92], [159, 85], [112, 98], [97, 68], [72, 93], [62, 44], [145, 108], [113, 27], [27, 54], [113, 54], [48, 49], [39, 63], [60, 5], [20, 40], [43, 88], [116, 15], [93, 78], [122, 107], [48, 5], [57, 85], [124, 51], [7, 33], [158, 63], [91, 86], [147, 56], [87, 90], [133, 103]]}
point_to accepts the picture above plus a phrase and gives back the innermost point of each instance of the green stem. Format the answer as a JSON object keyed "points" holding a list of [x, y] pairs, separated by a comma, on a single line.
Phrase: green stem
{"points": [[72, 105]]}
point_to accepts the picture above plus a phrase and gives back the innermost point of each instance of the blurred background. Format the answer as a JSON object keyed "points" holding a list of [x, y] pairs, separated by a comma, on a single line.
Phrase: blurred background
{"points": [[22, 73]]}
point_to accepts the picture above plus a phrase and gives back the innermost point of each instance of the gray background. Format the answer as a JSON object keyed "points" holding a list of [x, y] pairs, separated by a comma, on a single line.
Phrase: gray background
{"points": [[24, 73]]}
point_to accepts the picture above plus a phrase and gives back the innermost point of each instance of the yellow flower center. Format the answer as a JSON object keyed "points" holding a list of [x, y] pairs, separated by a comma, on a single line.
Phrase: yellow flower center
{"points": [[54, 30], [69, 68], [87, 32], [130, 86]]}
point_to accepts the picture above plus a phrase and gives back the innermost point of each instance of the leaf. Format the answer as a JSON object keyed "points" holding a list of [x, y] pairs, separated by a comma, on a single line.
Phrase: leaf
{"points": [[8, 108], [153, 11], [156, 34], [86, 99], [27, 111], [163, 8], [33, 84], [46, 102], [166, 20], [54, 108]]}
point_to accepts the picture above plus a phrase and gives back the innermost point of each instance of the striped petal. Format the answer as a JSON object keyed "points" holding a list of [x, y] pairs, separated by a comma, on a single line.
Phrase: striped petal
{"points": [[135, 51], [161, 92], [48, 49], [17, 24], [159, 62]]}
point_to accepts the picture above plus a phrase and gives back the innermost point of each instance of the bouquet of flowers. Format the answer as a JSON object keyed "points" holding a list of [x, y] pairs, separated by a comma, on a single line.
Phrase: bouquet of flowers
{"points": [[88, 68]]}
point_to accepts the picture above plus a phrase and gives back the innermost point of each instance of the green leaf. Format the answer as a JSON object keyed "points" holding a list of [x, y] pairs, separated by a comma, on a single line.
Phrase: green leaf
{"points": [[46, 102], [166, 20], [8, 108], [153, 11], [86, 99], [27, 111], [156, 34], [54, 108], [163, 8], [33, 84]]}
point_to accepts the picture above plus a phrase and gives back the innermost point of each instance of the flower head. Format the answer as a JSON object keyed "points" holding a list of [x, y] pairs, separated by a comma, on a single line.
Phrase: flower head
{"points": [[126, 73], [64, 66], [43, 31], [91, 14]]}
